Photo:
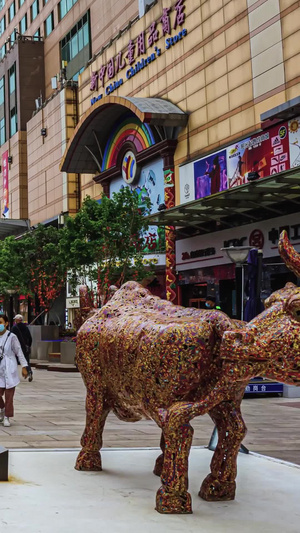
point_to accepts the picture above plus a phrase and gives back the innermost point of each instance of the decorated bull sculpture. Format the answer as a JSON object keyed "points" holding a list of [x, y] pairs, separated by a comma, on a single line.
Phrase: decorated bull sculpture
{"points": [[141, 356]]}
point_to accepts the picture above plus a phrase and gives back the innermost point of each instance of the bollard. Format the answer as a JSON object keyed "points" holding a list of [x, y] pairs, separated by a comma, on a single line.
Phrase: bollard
{"points": [[3, 464]]}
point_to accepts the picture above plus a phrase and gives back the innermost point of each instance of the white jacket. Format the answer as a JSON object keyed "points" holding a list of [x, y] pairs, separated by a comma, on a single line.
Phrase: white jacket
{"points": [[9, 375]]}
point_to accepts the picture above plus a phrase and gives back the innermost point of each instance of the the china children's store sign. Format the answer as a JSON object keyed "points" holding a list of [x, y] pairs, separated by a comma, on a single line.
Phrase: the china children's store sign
{"points": [[131, 58]]}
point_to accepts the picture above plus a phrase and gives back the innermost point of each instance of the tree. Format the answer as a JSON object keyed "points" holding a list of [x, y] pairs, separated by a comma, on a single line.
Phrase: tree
{"points": [[104, 242], [45, 266], [33, 265]]}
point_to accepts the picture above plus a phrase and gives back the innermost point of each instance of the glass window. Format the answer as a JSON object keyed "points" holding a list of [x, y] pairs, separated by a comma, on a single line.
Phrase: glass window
{"points": [[2, 131], [12, 11], [21, 2], [37, 34], [2, 90], [34, 8], [2, 51], [86, 39], [2, 4], [2, 25], [12, 79], [49, 24], [12, 37], [62, 9], [23, 24], [75, 40], [13, 121], [75, 77], [64, 6]]}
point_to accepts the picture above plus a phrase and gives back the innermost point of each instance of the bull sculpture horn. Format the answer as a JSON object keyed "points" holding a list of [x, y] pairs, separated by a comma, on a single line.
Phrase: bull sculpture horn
{"points": [[288, 253]]}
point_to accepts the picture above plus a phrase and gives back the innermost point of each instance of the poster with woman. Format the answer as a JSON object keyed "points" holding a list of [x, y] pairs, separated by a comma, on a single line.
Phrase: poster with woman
{"points": [[210, 174]]}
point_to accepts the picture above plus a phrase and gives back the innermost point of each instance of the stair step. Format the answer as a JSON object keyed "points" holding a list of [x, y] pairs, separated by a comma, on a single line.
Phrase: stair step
{"points": [[54, 357]]}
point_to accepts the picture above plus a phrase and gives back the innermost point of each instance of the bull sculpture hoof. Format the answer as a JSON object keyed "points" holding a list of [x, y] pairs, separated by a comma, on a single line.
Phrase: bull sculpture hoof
{"points": [[89, 462], [158, 465], [170, 503], [213, 490]]}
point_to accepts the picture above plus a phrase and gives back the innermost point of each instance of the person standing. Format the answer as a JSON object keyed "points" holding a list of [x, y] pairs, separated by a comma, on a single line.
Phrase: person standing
{"points": [[22, 331], [10, 349]]}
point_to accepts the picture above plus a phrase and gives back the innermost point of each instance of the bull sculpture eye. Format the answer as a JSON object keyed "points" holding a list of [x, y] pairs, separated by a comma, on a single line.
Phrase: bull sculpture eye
{"points": [[293, 306], [296, 314], [295, 310]]}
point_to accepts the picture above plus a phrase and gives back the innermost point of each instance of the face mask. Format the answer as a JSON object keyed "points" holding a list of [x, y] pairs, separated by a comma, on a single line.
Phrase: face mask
{"points": [[2, 328]]}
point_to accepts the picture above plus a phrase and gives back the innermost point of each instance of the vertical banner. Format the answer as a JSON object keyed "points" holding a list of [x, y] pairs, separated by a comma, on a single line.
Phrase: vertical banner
{"points": [[5, 203], [169, 181]]}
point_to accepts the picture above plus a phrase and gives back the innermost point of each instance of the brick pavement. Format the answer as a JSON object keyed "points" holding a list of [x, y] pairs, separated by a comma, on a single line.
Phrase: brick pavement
{"points": [[49, 413]]}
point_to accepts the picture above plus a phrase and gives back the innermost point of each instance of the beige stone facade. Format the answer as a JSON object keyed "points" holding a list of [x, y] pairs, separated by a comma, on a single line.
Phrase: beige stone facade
{"points": [[51, 192], [238, 59]]}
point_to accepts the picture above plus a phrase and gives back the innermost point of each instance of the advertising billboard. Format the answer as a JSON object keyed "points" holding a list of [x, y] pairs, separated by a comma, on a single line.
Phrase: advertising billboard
{"points": [[267, 153]]}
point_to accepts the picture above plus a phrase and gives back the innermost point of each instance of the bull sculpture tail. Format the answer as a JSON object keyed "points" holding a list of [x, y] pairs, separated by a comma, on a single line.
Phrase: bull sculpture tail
{"points": [[288, 253]]}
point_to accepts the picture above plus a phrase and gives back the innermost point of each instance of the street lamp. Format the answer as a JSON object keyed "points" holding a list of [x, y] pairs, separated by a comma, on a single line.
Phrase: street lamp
{"points": [[238, 255]]}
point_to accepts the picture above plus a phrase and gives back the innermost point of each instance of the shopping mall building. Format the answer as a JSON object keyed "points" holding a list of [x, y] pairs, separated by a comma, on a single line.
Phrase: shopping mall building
{"points": [[194, 103]]}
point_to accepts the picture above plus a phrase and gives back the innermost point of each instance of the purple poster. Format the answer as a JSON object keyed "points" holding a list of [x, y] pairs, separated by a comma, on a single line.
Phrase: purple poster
{"points": [[210, 174]]}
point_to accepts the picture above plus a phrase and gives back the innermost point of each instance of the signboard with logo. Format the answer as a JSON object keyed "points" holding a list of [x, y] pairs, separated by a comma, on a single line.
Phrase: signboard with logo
{"points": [[266, 153], [205, 250], [269, 152], [5, 205], [148, 184], [73, 302]]}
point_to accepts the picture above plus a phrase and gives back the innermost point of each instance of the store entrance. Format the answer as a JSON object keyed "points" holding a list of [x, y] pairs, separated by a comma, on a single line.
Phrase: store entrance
{"points": [[278, 281], [227, 296], [194, 295]]}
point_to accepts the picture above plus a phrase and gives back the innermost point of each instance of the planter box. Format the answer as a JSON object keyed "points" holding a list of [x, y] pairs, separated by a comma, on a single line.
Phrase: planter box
{"points": [[67, 350], [290, 391], [43, 348], [42, 333]]}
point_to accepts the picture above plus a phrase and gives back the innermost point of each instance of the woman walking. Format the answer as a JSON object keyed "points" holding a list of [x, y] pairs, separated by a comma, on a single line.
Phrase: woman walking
{"points": [[10, 349]]}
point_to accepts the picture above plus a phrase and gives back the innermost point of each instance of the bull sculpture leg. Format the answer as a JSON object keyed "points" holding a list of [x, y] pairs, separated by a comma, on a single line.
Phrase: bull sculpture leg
{"points": [[220, 484], [89, 457], [160, 460], [173, 497]]}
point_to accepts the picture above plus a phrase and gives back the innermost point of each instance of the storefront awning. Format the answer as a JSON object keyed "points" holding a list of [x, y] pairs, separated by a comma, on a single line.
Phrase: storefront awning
{"points": [[258, 200], [85, 149], [9, 226]]}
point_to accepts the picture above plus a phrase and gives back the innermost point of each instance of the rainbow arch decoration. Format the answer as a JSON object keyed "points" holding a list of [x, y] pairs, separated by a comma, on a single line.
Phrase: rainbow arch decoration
{"points": [[131, 129]]}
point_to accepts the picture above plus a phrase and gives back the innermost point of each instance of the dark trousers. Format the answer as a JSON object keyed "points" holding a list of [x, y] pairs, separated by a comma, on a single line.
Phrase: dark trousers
{"points": [[9, 401]]}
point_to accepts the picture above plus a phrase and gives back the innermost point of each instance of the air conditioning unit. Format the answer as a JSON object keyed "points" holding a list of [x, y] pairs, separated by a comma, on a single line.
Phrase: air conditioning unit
{"points": [[54, 82]]}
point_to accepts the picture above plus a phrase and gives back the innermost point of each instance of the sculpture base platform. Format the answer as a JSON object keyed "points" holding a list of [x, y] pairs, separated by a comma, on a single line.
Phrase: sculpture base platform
{"points": [[46, 494]]}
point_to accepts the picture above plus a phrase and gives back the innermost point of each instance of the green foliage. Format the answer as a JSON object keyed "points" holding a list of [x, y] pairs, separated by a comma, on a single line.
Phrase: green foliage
{"points": [[104, 241], [33, 265]]}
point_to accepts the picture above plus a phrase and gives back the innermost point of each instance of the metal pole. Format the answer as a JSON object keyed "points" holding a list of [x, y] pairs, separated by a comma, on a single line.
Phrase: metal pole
{"points": [[258, 280], [238, 282], [242, 293], [11, 311], [214, 441]]}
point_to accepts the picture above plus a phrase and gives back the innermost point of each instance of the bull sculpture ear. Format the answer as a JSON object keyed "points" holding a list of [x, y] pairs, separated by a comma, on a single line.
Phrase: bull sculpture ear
{"points": [[288, 253]]}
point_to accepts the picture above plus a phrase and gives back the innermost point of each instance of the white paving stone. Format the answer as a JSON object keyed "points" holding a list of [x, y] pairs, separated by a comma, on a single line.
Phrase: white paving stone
{"points": [[46, 495]]}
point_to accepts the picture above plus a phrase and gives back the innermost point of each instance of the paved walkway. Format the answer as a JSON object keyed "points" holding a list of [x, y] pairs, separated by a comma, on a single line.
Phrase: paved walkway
{"points": [[49, 413]]}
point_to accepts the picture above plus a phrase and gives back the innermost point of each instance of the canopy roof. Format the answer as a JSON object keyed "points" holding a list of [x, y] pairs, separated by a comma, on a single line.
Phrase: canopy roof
{"points": [[85, 149], [258, 200], [9, 226]]}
